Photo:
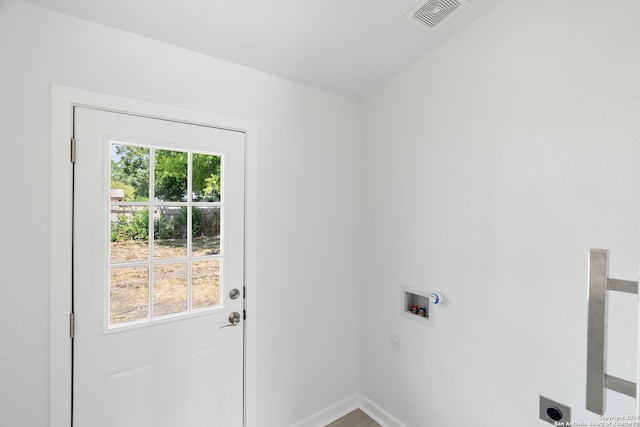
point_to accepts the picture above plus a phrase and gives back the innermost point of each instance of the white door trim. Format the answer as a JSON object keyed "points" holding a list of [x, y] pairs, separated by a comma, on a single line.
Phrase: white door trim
{"points": [[63, 100]]}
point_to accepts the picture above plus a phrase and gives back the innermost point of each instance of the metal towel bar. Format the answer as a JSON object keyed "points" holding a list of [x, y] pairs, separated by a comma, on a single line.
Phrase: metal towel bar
{"points": [[599, 284]]}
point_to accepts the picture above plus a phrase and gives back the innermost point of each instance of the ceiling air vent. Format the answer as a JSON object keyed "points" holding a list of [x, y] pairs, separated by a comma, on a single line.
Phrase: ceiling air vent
{"points": [[431, 14]]}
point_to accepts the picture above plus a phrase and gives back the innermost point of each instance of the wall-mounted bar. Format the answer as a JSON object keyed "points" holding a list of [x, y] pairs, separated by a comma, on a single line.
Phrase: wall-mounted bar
{"points": [[620, 385], [597, 379], [622, 286]]}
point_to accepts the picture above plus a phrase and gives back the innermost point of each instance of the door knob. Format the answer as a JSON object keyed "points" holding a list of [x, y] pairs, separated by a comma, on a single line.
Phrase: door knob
{"points": [[234, 319]]}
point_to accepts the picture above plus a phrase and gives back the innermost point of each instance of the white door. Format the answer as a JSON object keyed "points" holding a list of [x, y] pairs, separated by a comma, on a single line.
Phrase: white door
{"points": [[158, 272]]}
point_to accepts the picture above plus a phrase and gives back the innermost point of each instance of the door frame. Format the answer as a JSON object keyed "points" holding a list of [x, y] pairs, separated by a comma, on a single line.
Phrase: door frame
{"points": [[63, 99]]}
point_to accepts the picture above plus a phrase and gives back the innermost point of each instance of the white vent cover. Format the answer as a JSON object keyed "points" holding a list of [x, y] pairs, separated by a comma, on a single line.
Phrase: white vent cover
{"points": [[430, 14]]}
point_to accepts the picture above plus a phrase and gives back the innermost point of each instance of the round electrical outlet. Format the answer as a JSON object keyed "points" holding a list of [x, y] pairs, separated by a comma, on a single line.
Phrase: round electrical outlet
{"points": [[554, 413]]}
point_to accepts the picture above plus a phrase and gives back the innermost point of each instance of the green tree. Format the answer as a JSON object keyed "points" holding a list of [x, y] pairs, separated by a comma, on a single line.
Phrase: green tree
{"points": [[171, 175], [130, 166], [130, 170], [206, 177]]}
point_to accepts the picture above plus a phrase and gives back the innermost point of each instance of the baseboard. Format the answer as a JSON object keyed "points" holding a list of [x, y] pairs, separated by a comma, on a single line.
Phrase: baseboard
{"points": [[339, 410], [330, 414], [378, 414]]}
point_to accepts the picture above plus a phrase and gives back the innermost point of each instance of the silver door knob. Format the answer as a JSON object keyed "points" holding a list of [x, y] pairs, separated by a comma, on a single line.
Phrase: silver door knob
{"points": [[234, 319]]}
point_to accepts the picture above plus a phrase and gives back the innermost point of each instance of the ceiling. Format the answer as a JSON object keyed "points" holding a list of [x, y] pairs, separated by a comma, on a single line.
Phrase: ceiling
{"points": [[348, 47]]}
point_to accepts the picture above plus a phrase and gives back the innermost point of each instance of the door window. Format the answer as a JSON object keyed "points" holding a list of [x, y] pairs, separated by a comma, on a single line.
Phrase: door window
{"points": [[166, 222]]}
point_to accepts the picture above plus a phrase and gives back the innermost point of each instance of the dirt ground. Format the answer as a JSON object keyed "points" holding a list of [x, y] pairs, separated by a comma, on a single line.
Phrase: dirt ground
{"points": [[130, 285]]}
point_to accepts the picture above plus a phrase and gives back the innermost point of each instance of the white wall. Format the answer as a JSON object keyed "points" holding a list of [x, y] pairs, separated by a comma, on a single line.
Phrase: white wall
{"points": [[490, 168], [308, 206]]}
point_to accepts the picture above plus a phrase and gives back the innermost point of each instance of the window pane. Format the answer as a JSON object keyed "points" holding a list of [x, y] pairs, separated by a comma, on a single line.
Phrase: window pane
{"points": [[206, 178], [171, 176], [182, 263], [169, 289], [206, 231], [129, 173], [129, 294], [170, 232], [129, 234], [205, 279]]}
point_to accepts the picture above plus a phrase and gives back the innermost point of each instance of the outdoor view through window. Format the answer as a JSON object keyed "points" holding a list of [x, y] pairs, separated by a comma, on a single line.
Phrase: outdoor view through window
{"points": [[166, 216]]}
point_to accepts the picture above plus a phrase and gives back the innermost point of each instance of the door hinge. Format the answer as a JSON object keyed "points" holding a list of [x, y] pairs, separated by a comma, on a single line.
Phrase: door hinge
{"points": [[72, 325], [244, 314], [73, 150]]}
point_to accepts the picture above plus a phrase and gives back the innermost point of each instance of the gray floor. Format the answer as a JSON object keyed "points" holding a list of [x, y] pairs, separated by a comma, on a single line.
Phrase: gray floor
{"points": [[356, 418]]}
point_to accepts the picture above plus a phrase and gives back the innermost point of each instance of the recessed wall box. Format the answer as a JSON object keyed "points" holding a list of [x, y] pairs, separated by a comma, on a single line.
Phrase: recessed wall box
{"points": [[416, 304], [554, 412]]}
